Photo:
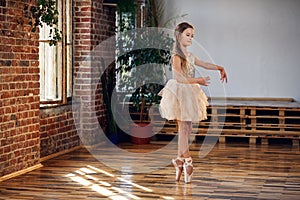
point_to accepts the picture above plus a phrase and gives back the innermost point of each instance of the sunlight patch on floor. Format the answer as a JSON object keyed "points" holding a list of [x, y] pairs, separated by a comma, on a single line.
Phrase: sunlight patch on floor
{"points": [[86, 177]]}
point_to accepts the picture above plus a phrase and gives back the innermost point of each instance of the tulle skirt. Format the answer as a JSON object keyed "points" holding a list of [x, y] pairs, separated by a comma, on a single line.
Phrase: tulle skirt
{"points": [[184, 102]]}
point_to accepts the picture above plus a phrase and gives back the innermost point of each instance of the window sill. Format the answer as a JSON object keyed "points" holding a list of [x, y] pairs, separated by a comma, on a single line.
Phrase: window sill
{"points": [[55, 105]]}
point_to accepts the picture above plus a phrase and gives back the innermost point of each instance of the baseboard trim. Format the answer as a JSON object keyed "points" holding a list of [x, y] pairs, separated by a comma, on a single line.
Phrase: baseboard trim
{"points": [[18, 173], [43, 159], [29, 169]]}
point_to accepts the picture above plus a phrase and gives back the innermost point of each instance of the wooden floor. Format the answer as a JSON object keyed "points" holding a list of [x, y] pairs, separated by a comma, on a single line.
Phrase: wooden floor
{"points": [[230, 171]]}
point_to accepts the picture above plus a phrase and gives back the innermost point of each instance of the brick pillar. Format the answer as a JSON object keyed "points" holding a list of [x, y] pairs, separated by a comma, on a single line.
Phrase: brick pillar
{"points": [[93, 23], [19, 90]]}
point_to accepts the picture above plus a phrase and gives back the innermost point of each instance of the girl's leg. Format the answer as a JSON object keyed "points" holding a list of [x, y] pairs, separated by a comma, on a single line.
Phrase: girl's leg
{"points": [[184, 131], [179, 161]]}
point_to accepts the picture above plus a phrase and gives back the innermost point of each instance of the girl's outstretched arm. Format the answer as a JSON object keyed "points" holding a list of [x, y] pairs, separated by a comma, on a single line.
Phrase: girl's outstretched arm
{"points": [[211, 66]]}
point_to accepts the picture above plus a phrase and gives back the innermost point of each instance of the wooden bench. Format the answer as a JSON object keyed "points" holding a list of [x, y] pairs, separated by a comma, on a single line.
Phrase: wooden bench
{"points": [[259, 118], [254, 119]]}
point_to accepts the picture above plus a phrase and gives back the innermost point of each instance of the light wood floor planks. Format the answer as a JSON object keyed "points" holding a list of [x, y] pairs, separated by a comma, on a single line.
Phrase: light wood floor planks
{"points": [[230, 171]]}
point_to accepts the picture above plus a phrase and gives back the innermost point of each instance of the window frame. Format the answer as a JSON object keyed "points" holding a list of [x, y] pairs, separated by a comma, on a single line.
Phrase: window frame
{"points": [[64, 48]]}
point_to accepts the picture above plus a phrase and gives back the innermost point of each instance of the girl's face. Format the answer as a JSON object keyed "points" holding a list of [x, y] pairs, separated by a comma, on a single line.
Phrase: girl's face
{"points": [[186, 37]]}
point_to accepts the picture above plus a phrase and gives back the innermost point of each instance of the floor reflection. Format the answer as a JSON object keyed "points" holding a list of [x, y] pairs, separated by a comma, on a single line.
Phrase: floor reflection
{"points": [[94, 178]]}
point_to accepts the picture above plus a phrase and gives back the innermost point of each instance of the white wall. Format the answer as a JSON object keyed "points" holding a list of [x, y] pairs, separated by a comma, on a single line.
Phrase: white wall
{"points": [[257, 41]]}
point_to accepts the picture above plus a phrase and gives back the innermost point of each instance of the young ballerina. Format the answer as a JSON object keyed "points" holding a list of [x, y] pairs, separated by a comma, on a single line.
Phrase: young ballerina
{"points": [[182, 98]]}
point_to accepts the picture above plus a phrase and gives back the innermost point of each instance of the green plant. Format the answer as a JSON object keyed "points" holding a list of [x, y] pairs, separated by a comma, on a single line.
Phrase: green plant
{"points": [[141, 63], [44, 12], [127, 13], [142, 55]]}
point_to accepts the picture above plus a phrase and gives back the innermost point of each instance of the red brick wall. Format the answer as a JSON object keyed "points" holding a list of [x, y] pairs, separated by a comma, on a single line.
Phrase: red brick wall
{"points": [[57, 130], [28, 132], [93, 23], [19, 90]]}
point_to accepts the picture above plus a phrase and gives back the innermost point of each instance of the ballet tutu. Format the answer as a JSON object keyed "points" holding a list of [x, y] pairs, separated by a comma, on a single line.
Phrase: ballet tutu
{"points": [[184, 102]]}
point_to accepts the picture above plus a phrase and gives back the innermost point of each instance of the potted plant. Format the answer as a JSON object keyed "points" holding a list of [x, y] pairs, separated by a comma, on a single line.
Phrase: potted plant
{"points": [[142, 56], [143, 67]]}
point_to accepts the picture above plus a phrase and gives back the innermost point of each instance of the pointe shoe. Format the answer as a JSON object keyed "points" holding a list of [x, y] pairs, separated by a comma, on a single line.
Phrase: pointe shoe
{"points": [[178, 164], [188, 170]]}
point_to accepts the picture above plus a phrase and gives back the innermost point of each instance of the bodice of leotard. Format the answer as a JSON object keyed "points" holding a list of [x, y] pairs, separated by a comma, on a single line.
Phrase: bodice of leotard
{"points": [[191, 66], [190, 72]]}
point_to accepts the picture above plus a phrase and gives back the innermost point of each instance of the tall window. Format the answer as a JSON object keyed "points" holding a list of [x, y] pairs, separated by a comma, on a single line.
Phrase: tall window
{"points": [[56, 61], [126, 22]]}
